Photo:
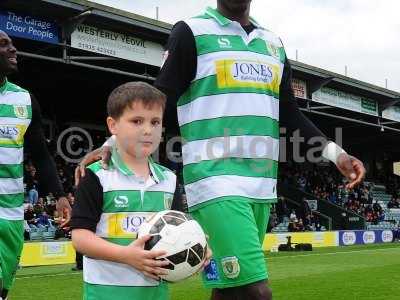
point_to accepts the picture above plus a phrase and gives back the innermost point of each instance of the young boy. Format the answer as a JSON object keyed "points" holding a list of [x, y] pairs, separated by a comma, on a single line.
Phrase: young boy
{"points": [[111, 204]]}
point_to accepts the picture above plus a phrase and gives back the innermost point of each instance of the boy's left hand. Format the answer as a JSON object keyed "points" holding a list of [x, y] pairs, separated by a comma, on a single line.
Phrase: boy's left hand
{"points": [[208, 257]]}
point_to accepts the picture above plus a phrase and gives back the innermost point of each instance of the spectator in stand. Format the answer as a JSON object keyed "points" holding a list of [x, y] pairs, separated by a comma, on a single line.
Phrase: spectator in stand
{"points": [[307, 222], [32, 186], [30, 216], [292, 226], [300, 225], [396, 232], [65, 180], [365, 195], [281, 209], [50, 197], [273, 219], [38, 208], [51, 208], [305, 209], [43, 220], [393, 203], [377, 207], [293, 216], [333, 198], [71, 199], [302, 182]]}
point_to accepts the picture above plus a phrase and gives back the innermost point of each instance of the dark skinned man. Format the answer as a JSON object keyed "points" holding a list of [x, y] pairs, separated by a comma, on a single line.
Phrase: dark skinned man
{"points": [[20, 126]]}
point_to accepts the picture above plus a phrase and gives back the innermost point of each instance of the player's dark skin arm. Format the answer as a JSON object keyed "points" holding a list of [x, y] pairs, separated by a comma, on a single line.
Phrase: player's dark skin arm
{"points": [[35, 143], [34, 137]]}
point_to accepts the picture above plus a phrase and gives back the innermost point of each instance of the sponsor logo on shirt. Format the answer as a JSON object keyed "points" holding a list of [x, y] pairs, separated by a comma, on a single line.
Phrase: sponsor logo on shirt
{"points": [[131, 223], [121, 201], [125, 225], [247, 73], [224, 43], [211, 271], [12, 134], [168, 201]]}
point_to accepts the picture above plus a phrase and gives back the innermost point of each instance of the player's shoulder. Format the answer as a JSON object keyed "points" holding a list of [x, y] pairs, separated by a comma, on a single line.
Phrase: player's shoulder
{"points": [[95, 167], [167, 173], [12, 87], [199, 20], [181, 30], [270, 36]]}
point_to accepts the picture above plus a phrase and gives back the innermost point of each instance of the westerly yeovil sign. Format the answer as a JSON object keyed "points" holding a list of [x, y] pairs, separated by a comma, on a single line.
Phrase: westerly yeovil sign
{"points": [[116, 44]]}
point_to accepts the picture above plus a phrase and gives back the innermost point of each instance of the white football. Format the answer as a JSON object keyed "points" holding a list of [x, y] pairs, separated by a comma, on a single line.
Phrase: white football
{"points": [[181, 237]]}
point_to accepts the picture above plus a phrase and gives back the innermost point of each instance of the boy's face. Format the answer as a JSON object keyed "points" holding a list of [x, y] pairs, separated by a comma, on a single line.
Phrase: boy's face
{"points": [[138, 130]]}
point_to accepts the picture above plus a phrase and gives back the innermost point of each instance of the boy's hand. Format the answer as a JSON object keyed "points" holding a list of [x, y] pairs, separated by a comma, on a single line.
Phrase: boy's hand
{"points": [[144, 260], [207, 257]]}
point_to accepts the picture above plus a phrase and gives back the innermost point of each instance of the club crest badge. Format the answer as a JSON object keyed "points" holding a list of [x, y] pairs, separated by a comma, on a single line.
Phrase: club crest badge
{"points": [[230, 266], [21, 111]]}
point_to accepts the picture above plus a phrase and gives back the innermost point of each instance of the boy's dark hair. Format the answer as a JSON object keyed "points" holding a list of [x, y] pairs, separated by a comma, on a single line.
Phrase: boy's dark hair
{"points": [[130, 92]]}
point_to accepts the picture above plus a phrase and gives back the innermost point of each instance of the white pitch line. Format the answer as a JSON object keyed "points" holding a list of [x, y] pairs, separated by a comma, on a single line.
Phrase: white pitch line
{"points": [[332, 253], [266, 258], [48, 275]]}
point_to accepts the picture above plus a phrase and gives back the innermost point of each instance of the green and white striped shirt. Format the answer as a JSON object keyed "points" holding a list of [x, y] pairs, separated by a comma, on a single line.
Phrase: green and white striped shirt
{"points": [[127, 201], [229, 115], [15, 117]]}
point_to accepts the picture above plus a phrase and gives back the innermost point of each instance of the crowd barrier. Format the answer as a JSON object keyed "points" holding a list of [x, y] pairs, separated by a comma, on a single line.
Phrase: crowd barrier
{"points": [[47, 253], [54, 253], [329, 238], [317, 239], [362, 237]]}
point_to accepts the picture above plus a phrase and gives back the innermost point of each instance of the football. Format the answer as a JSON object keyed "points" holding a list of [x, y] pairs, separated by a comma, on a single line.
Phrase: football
{"points": [[181, 237]]}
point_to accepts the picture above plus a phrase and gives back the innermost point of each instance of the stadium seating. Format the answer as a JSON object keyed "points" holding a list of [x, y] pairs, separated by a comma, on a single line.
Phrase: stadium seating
{"points": [[380, 195], [381, 226], [35, 234], [392, 215], [42, 233]]}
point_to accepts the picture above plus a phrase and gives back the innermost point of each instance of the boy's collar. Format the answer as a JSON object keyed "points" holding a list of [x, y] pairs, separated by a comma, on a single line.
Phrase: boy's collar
{"points": [[224, 21], [116, 161]]}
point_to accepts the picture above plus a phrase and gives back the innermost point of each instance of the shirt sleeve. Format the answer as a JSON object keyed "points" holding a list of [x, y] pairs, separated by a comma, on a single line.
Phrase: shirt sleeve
{"points": [[87, 209], [178, 202], [35, 143], [290, 115], [178, 70]]}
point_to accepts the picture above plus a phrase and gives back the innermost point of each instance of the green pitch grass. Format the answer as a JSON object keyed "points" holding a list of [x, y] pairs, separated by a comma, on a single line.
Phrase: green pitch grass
{"points": [[345, 273]]}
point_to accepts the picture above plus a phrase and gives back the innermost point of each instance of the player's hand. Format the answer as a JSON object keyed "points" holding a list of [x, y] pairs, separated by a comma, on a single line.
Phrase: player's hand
{"points": [[352, 168], [64, 211], [143, 260], [102, 153]]}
